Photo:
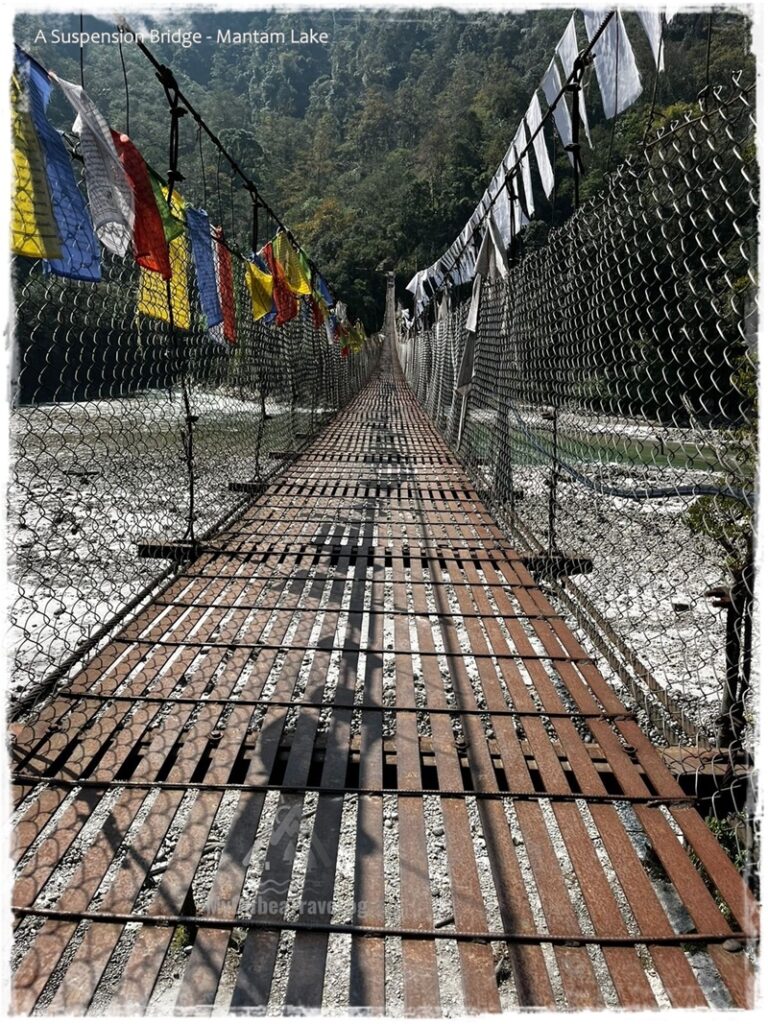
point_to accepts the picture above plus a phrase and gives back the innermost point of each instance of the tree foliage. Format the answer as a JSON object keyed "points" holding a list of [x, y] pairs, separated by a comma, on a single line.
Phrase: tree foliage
{"points": [[375, 147]]}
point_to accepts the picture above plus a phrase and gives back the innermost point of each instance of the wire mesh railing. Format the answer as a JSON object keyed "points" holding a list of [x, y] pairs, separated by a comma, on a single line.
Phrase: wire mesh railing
{"points": [[611, 417], [159, 377], [128, 430]]}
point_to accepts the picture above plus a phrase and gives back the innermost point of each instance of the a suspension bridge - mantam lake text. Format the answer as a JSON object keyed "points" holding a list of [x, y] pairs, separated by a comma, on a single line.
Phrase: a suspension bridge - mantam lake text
{"points": [[381, 510]]}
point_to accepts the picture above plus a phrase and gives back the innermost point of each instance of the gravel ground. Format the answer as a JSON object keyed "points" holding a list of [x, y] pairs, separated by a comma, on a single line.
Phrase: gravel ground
{"points": [[90, 480], [650, 577]]}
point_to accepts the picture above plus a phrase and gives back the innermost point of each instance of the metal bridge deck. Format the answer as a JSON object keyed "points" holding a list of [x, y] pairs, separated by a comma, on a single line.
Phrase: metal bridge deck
{"points": [[352, 757]]}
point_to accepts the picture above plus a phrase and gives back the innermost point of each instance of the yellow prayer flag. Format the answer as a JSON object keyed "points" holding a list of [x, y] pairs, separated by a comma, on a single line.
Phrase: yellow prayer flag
{"points": [[33, 225], [320, 303], [295, 274], [259, 285], [357, 337], [153, 289]]}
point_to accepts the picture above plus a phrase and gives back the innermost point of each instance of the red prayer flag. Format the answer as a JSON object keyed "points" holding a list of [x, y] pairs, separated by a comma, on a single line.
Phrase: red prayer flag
{"points": [[149, 244], [226, 287], [317, 314], [285, 301]]}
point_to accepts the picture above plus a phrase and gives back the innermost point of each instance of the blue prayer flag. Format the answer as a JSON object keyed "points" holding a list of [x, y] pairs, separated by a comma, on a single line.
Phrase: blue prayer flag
{"points": [[202, 251], [324, 291], [79, 248]]}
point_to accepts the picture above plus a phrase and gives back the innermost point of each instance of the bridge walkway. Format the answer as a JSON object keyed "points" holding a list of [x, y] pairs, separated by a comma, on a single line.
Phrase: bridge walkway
{"points": [[351, 756]]}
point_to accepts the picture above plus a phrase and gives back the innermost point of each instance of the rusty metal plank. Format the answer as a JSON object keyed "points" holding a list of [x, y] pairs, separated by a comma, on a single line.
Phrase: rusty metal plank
{"points": [[83, 974], [377, 497], [162, 811], [202, 974], [477, 963], [420, 980], [49, 944], [256, 968], [105, 682], [582, 681], [108, 733], [118, 744], [367, 966], [576, 971], [151, 947], [671, 965], [306, 975]]}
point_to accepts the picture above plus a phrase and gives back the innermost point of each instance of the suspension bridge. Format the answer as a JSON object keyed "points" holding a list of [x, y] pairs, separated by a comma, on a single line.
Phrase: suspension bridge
{"points": [[364, 635], [382, 673]]}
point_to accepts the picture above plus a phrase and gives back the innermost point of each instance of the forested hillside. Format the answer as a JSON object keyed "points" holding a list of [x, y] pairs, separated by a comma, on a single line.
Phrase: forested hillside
{"points": [[376, 146]]}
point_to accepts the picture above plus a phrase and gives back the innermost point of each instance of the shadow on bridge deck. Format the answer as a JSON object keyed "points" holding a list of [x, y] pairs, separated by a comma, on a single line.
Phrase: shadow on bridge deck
{"points": [[352, 757]]}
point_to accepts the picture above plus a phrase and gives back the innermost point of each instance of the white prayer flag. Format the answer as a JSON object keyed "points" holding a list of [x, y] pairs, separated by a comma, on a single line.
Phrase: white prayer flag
{"points": [[617, 73], [466, 265], [501, 210], [413, 284], [520, 142], [533, 117], [653, 25], [551, 86], [568, 50], [110, 196], [491, 262], [473, 314], [520, 219]]}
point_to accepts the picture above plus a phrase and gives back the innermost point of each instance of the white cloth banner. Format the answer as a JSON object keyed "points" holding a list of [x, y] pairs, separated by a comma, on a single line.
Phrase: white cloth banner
{"points": [[473, 314], [520, 219], [551, 86], [568, 50], [520, 142], [451, 258], [475, 217], [413, 284], [466, 265], [110, 196], [533, 117], [617, 73], [416, 285], [491, 262], [502, 215], [653, 25]]}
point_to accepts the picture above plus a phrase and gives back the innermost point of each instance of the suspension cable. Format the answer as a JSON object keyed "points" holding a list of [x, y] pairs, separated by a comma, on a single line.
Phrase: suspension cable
{"points": [[125, 86], [82, 57], [202, 165], [652, 111], [165, 75], [615, 99]]}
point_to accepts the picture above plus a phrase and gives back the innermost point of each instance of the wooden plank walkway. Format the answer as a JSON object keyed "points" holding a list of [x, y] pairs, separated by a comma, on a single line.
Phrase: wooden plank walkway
{"points": [[353, 757]]}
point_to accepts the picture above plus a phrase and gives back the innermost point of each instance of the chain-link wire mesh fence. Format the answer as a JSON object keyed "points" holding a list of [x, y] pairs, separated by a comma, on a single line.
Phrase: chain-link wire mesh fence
{"points": [[611, 419], [128, 430]]}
